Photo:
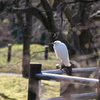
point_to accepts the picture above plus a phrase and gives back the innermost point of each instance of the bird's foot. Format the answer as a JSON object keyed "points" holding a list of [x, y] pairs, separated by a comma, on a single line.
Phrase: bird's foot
{"points": [[67, 69]]}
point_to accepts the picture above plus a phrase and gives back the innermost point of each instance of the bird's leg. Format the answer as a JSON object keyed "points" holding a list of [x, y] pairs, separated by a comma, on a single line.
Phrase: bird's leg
{"points": [[67, 69], [62, 66]]}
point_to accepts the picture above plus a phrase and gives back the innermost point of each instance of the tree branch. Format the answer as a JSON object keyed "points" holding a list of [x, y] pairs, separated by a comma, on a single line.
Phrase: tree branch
{"points": [[67, 11], [95, 16], [68, 15], [31, 10], [49, 14]]}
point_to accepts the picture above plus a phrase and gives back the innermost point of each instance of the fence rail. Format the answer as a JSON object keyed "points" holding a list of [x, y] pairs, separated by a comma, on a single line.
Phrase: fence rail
{"points": [[36, 75], [76, 96], [69, 79], [74, 70]]}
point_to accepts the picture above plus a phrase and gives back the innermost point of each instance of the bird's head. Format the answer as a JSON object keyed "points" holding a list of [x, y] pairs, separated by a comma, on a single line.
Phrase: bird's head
{"points": [[55, 42]]}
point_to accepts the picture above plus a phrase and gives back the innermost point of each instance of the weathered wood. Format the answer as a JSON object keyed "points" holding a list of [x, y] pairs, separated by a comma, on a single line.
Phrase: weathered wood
{"points": [[33, 88], [46, 52], [74, 70], [69, 79], [9, 53]]}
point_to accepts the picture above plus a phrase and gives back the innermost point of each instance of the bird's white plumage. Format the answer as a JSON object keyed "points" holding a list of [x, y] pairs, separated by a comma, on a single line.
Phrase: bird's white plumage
{"points": [[61, 52]]}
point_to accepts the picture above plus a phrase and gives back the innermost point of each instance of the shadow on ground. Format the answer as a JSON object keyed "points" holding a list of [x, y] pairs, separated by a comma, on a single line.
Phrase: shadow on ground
{"points": [[6, 97]]}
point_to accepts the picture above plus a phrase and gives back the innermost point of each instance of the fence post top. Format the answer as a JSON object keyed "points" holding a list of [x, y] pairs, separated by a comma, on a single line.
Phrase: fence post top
{"points": [[31, 63], [46, 46], [34, 69], [9, 44]]}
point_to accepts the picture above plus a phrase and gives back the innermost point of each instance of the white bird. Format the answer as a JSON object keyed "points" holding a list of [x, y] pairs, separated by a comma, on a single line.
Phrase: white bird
{"points": [[61, 52]]}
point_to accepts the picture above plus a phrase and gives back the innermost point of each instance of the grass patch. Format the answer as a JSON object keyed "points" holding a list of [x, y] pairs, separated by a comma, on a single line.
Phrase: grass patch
{"points": [[37, 56], [15, 88]]}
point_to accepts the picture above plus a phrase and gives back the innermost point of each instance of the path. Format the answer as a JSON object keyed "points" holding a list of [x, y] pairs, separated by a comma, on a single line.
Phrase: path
{"points": [[10, 74]]}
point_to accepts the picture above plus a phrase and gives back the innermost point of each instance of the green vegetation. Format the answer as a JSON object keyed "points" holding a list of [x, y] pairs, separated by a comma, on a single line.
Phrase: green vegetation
{"points": [[14, 87], [37, 56]]}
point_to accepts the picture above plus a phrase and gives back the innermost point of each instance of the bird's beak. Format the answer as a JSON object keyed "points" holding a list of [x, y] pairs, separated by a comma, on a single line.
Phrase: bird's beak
{"points": [[50, 43]]}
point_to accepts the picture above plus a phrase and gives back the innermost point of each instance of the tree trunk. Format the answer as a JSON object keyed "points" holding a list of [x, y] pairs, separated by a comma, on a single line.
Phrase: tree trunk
{"points": [[26, 43], [26, 55]]}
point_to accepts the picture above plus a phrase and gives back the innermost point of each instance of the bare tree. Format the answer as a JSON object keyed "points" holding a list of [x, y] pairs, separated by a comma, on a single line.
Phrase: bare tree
{"points": [[53, 15]]}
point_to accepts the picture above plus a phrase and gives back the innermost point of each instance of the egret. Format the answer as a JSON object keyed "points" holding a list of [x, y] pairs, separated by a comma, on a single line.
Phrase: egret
{"points": [[61, 52]]}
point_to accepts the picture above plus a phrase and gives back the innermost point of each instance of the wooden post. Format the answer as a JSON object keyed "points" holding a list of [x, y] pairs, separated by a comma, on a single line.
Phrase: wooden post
{"points": [[9, 52], [33, 88], [46, 52]]}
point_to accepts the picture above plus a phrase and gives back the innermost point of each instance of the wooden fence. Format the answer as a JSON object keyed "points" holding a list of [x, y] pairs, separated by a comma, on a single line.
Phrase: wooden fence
{"points": [[37, 75], [10, 49]]}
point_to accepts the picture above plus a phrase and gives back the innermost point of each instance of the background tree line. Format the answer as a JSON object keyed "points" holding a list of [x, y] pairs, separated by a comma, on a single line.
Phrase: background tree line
{"points": [[79, 17]]}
